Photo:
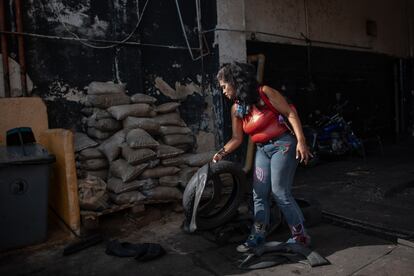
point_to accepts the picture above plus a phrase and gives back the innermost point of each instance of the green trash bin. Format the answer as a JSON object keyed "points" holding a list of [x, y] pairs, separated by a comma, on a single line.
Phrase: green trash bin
{"points": [[24, 186]]}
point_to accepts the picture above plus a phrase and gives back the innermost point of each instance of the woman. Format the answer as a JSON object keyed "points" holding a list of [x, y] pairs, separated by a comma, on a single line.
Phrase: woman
{"points": [[256, 111]]}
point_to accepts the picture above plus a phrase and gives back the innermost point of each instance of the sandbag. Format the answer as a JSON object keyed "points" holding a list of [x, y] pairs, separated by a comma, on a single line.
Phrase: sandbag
{"points": [[98, 134], [185, 175], [120, 112], [121, 169], [96, 112], [165, 130], [105, 124], [102, 174], [136, 156], [173, 161], [92, 194], [163, 193], [111, 147], [166, 151], [100, 88], [88, 111], [185, 147], [127, 197], [94, 164], [153, 163], [143, 98], [82, 141], [170, 180], [81, 173], [108, 100], [170, 119], [177, 139], [167, 107], [158, 172], [117, 186], [90, 153], [148, 124], [139, 138], [101, 114], [148, 184], [198, 159]]}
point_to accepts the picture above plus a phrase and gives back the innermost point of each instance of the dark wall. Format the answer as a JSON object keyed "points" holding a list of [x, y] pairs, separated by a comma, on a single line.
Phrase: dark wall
{"points": [[62, 69], [161, 25], [366, 80]]}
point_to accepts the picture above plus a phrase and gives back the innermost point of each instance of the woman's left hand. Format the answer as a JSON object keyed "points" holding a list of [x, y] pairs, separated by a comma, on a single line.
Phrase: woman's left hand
{"points": [[302, 152]]}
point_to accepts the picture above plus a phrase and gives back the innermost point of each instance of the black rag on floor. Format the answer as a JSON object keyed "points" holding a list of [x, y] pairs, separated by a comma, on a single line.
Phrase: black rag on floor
{"points": [[142, 252]]}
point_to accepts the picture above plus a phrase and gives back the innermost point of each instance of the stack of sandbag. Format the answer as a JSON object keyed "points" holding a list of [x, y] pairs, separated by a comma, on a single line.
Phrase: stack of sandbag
{"points": [[99, 123], [127, 163], [141, 150], [137, 152], [92, 194], [173, 130], [136, 167], [89, 160]]}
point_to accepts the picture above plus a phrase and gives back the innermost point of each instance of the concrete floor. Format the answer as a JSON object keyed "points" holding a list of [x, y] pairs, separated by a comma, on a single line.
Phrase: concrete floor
{"points": [[350, 253], [352, 187]]}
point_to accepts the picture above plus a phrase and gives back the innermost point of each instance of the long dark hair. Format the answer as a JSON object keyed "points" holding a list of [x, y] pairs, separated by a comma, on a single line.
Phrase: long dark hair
{"points": [[242, 76]]}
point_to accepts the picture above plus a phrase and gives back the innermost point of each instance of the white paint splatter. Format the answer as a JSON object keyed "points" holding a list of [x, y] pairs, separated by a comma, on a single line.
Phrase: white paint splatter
{"points": [[59, 90], [14, 78], [77, 21], [118, 78]]}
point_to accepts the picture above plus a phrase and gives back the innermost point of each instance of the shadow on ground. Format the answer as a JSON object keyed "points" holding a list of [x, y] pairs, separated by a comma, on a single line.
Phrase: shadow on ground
{"points": [[353, 187]]}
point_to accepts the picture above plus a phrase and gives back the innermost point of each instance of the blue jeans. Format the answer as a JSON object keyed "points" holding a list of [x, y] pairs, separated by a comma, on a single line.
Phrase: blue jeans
{"points": [[275, 167]]}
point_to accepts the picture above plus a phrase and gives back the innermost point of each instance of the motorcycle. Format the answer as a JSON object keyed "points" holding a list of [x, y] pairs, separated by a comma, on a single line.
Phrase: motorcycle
{"points": [[331, 136]]}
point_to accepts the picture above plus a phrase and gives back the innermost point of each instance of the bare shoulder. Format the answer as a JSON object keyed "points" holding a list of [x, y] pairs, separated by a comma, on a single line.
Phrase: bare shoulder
{"points": [[233, 107]]}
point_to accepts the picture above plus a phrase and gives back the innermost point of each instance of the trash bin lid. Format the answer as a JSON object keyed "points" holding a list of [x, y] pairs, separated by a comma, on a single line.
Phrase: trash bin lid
{"points": [[25, 154]]}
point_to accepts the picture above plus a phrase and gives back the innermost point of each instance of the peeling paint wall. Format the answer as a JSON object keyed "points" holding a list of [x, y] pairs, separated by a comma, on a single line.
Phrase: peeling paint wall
{"points": [[62, 65], [61, 69]]}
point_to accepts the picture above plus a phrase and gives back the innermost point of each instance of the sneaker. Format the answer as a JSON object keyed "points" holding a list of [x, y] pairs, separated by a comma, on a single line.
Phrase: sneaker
{"points": [[303, 240], [252, 242], [299, 235], [256, 239]]}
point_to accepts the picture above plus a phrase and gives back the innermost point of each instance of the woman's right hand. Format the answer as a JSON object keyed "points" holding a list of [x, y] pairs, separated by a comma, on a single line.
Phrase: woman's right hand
{"points": [[219, 155]]}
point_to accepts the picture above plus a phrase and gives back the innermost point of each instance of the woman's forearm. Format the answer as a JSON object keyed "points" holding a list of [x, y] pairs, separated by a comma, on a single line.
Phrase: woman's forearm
{"points": [[294, 120], [232, 144]]}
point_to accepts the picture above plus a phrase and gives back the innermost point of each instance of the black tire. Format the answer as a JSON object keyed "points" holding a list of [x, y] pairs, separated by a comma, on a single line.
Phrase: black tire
{"points": [[208, 219]]}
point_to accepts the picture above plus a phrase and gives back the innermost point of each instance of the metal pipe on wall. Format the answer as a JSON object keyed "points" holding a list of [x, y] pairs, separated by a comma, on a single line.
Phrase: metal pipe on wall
{"points": [[4, 51], [305, 4], [409, 11], [20, 40], [200, 41]]}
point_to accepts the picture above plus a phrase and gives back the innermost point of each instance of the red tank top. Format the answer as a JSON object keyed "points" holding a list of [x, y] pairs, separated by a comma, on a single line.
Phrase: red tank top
{"points": [[262, 123]]}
